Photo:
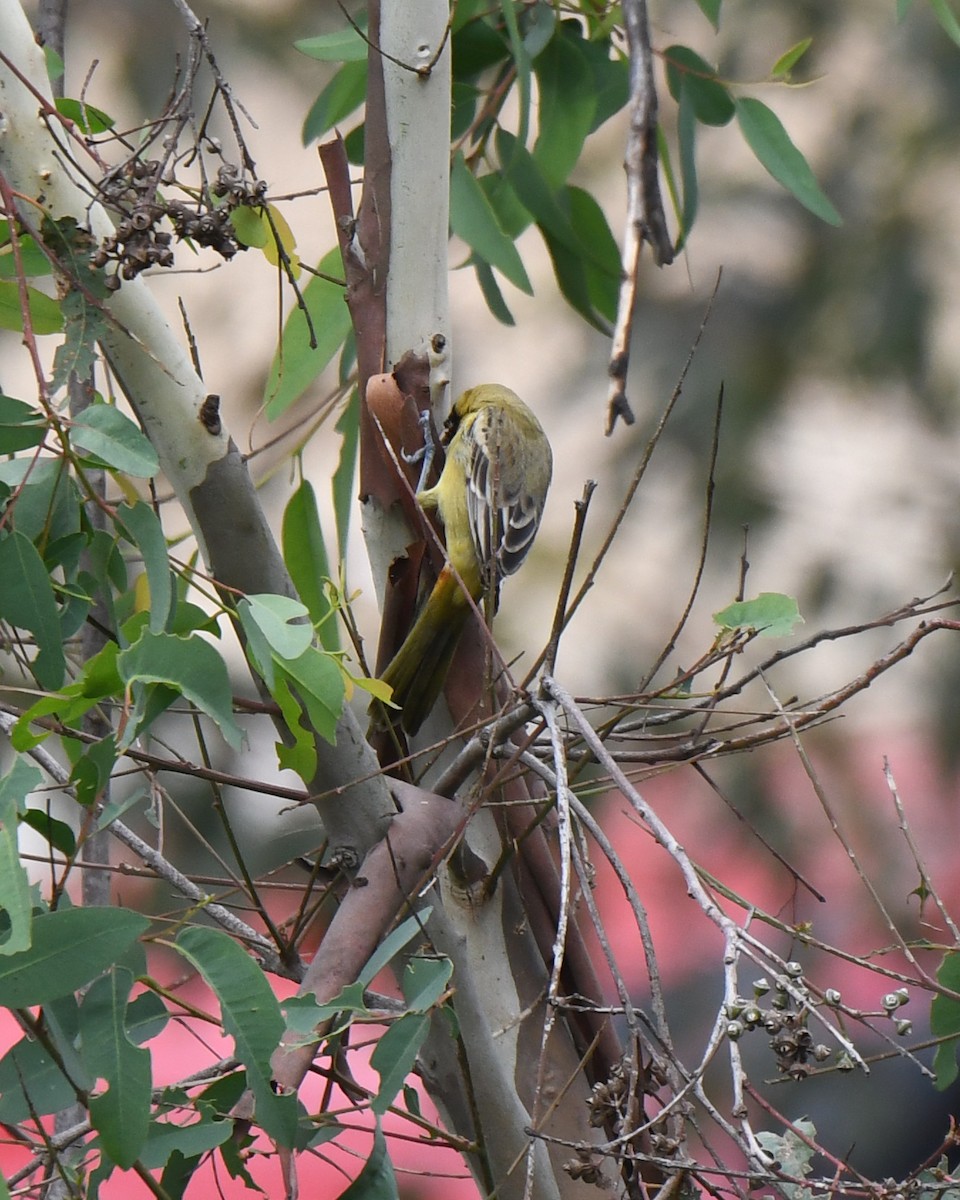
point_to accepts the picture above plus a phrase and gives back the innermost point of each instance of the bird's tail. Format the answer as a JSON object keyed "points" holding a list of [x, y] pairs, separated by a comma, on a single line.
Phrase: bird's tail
{"points": [[418, 670]]}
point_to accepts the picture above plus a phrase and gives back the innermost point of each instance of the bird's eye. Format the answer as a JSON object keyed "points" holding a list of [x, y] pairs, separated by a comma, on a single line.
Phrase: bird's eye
{"points": [[450, 427]]}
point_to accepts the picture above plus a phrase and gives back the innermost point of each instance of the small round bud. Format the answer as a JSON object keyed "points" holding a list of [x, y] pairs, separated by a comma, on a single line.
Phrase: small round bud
{"points": [[890, 1002], [821, 1052], [735, 1030], [832, 997], [761, 986], [904, 1027], [793, 969], [903, 994], [752, 1016]]}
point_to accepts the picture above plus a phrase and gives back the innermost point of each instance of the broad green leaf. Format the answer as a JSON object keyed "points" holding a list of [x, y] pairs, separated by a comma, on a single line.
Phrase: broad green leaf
{"points": [[189, 666], [945, 1022], [69, 948], [15, 902], [45, 314], [142, 527], [92, 770], [789, 59], [567, 105], [793, 1154], [47, 505], [687, 71], [537, 25], [84, 325], [342, 96], [711, 10], [424, 981], [771, 143], [770, 615], [33, 261], [277, 628], [395, 1055], [303, 1013], [165, 1138], [21, 425], [305, 554], [345, 45], [251, 1016], [251, 226], [947, 18], [376, 1181], [282, 621], [297, 364], [146, 1018], [611, 79], [28, 1065], [58, 834], [108, 433], [121, 1114], [588, 278], [85, 116], [473, 219], [27, 602], [317, 682]]}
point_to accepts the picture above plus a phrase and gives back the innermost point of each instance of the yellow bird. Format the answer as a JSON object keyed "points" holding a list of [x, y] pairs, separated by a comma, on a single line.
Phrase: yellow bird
{"points": [[490, 498]]}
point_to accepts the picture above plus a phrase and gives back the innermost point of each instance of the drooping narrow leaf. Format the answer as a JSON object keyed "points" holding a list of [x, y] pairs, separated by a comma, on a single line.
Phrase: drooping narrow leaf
{"points": [[473, 219], [121, 1114], [251, 1016], [349, 429], [770, 142], [69, 948], [15, 786], [567, 104], [342, 96], [377, 1180], [305, 554], [27, 602], [395, 1055], [143, 527], [297, 364]]}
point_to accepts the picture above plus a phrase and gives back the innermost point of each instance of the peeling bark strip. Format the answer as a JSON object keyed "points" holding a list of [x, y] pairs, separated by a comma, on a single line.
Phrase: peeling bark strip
{"points": [[646, 220]]}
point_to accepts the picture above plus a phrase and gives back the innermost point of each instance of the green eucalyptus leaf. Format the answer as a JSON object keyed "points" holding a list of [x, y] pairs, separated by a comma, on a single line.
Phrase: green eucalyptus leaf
{"points": [[27, 602], [472, 218], [187, 666], [45, 313], [770, 142], [297, 363], [342, 96], [115, 440], [770, 614], [687, 71], [69, 948]]}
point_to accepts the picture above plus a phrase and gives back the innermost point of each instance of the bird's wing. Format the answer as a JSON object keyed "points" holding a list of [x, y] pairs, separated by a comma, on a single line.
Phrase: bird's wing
{"points": [[504, 516]]}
